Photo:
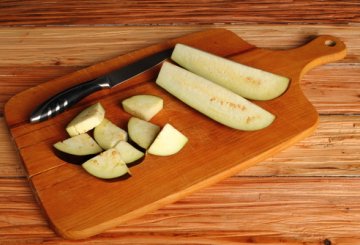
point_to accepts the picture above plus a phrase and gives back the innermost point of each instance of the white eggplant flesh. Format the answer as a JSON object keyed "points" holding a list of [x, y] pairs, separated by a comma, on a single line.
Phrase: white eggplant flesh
{"points": [[79, 145], [142, 132], [168, 142], [128, 152], [86, 120], [248, 82], [106, 165], [107, 134], [143, 106], [213, 100]]}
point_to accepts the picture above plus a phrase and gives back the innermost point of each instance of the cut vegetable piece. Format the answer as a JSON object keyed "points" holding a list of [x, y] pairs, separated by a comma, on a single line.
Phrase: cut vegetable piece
{"points": [[168, 142], [128, 152], [86, 120], [77, 149], [108, 134], [246, 81], [142, 132], [143, 106], [79, 145], [213, 100], [106, 165]]}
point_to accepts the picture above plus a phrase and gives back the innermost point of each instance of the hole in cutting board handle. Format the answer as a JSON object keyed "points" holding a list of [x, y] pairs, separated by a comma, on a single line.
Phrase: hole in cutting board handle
{"points": [[330, 43]]}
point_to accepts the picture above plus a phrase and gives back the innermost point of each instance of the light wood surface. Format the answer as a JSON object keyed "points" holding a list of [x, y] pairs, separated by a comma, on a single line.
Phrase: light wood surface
{"points": [[79, 206], [308, 193]]}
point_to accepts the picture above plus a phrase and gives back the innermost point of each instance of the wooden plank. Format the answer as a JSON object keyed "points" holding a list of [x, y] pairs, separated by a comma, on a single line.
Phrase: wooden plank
{"points": [[10, 163], [22, 66], [326, 91], [153, 12], [20, 46], [333, 150], [333, 89], [267, 210]]}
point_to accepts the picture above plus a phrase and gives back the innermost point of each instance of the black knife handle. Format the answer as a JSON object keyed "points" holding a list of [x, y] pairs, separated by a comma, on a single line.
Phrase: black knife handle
{"points": [[67, 98]]}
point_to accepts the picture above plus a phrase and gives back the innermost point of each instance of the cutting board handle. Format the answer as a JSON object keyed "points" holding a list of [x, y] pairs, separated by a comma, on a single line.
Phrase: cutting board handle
{"points": [[321, 50]]}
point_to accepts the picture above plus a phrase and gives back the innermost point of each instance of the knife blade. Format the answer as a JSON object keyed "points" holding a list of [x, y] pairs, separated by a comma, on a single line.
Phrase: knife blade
{"points": [[65, 99]]}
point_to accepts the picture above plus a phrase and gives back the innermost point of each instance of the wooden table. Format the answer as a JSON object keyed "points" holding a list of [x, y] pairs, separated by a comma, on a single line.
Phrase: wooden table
{"points": [[307, 194]]}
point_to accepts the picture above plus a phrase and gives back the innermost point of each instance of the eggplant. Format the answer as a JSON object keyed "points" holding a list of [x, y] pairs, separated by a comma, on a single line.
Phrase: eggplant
{"points": [[142, 132], [107, 134], [168, 142], [86, 120], [77, 149], [248, 82], [107, 165], [143, 106], [130, 154], [213, 100]]}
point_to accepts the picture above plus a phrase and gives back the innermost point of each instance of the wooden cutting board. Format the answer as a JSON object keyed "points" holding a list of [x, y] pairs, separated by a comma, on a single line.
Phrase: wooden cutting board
{"points": [[78, 205]]}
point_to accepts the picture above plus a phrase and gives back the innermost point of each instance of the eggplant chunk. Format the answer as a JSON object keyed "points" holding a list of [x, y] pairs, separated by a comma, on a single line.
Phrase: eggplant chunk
{"points": [[79, 145], [77, 149], [107, 134], [129, 153], [168, 142], [86, 120], [143, 106], [106, 165], [142, 132]]}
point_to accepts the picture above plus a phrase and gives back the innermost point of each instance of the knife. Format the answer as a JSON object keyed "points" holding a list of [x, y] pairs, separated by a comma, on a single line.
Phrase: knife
{"points": [[63, 100]]}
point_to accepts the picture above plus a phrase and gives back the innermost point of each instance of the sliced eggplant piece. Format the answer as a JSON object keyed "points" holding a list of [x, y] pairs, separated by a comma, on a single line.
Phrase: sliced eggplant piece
{"points": [[142, 132], [211, 99], [106, 165], [168, 142], [248, 82], [79, 145], [143, 106], [129, 153], [107, 134], [77, 149], [86, 120]]}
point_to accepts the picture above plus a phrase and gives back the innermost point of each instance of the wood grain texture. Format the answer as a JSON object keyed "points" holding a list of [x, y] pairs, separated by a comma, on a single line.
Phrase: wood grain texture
{"points": [[92, 12], [20, 46], [68, 195], [333, 150], [22, 66], [281, 210], [10, 164], [79, 34], [342, 127]]}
